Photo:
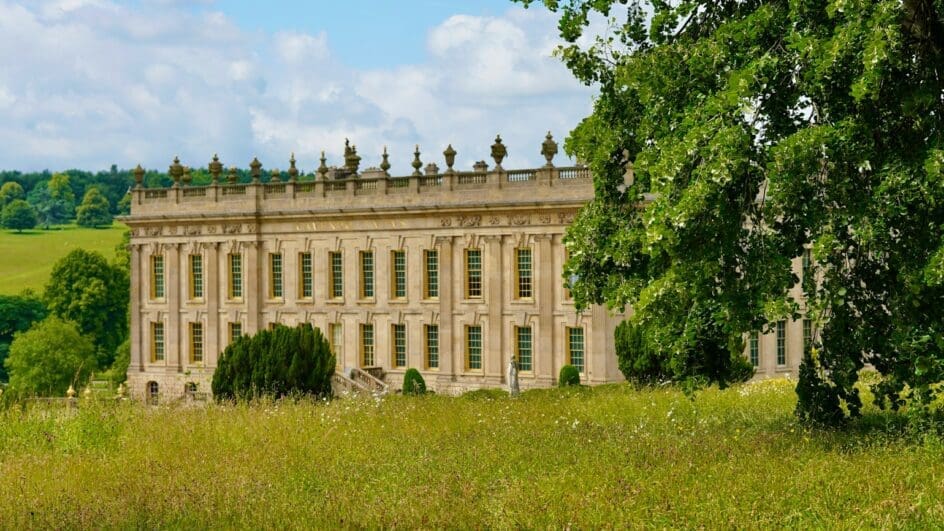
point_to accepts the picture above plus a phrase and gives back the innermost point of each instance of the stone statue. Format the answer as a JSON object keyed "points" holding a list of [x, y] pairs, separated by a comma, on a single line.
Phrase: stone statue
{"points": [[513, 378]]}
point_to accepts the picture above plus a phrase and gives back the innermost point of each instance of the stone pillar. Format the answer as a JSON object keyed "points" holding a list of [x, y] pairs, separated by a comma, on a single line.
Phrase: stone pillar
{"points": [[447, 291], [211, 286], [494, 276], [544, 353], [137, 334], [174, 283], [253, 286]]}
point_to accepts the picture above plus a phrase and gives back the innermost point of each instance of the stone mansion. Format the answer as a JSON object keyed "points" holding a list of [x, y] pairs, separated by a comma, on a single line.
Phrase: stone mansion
{"points": [[449, 272]]}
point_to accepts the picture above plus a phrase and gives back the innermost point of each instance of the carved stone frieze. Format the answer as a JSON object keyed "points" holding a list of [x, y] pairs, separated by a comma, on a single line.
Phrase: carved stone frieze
{"points": [[234, 228], [445, 222], [193, 230], [566, 218], [469, 221], [519, 219]]}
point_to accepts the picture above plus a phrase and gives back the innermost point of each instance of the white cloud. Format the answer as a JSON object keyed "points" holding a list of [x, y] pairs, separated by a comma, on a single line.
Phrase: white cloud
{"points": [[104, 83]]}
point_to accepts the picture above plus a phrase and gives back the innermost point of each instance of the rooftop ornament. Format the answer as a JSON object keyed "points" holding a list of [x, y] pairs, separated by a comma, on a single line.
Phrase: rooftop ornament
{"points": [[385, 163], [275, 176], [323, 168], [432, 169], [549, 149], [499, 152], [450, 156], [351, 159], [232, 177], [255, 168], [186, 178], [216, 168], [292, 170], [176, 171], [138, 176], [417, 163]]}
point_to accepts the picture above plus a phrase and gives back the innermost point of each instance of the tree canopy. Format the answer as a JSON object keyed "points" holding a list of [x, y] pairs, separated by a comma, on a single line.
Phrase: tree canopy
{"points": [[86, 289], [757, 130], [94, 210], [18, 215], [17, 314], [49, 357], [10, 191]]}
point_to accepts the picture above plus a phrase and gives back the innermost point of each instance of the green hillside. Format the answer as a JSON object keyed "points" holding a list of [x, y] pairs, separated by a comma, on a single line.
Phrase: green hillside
{"points": [[26, 259]]}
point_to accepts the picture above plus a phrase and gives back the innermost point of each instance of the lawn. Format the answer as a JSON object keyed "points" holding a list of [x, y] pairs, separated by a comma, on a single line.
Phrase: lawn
{"points": [[26, 258], [610, 456]]}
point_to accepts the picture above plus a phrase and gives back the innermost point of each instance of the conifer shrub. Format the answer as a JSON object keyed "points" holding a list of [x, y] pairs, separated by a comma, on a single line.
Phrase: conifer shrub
{"points": [[275, 363], [413, 383], [817, 401], [569, 375]]}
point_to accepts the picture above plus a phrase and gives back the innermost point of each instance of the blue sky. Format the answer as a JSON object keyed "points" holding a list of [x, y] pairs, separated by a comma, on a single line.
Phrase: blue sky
{"points": [[140, 81]]}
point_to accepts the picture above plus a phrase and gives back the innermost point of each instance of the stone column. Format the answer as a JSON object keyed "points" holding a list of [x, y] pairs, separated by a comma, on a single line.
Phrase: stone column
{"points": [[447, 291], [137, 334], [494, 277], [544, 353], [174, 283], [211, 286], [253, 286]]}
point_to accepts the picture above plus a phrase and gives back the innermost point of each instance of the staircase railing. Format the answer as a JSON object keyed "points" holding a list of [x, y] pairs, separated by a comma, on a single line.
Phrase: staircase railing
{"points": [[375, 385]]}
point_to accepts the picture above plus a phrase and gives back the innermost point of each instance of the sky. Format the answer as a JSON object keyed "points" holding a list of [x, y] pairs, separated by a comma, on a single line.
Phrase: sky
{"points": [[90, 83]]}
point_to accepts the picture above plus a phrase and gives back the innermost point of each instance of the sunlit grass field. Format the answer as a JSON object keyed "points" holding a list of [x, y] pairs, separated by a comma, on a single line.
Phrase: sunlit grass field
{"points": [[26, 258], [604, 457]]}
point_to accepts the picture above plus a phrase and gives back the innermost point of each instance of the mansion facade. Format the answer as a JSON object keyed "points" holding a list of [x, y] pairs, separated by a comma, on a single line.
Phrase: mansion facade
{"points": [[450, 272]]}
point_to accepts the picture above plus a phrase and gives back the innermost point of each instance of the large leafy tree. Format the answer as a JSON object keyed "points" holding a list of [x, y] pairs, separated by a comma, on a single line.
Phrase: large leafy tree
{"points": [[18, 215], [94, 210], [85, 289], [48, 358], [756, 128], [17, 314], [9, 191]]}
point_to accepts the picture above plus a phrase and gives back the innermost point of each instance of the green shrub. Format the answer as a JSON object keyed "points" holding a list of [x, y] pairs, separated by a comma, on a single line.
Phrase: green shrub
{"points": [[638, 362], [569, 375], [413, 383], [485, 394], [275, 363], [817, 401]]}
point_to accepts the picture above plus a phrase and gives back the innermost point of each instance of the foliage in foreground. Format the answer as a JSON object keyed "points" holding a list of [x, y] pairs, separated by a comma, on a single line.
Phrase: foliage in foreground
{"points": [[569, 376], [584, 458], [275, 363], [828, 112], [17, 314], [48, 358], [18, 215], [413, 382]]}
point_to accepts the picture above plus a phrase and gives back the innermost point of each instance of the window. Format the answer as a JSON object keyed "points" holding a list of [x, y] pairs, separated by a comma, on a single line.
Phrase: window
{"points": [[157, 276], [398, 259], [196, 276], [807, 335], [523, 273], [235, 332], [568, 282], [806, 260], [431, 286], [781, 342], [432, 346], [473, 347], [235, 276], [399, 345], [367, 345], [304, 275], [157, 341], [336, 338], [337, 275], [275, 275], [575, 348], [473, 273], [367, 274], [754, 350], [523, 347], [153, 392], [196, 342]]}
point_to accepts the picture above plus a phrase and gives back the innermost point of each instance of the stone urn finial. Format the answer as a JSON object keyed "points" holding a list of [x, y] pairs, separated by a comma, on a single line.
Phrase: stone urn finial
{"points": [[432, 169], [275, 176], [549, 149], [120, 393], [255, 168], [216, 168], [176, 171], [450, 156], [385, 163], [417, 163], [71, 392], [87, 393], [292, 170], [138, 176], [186, 178], [323, 168], [232, 176], [499, 152]]}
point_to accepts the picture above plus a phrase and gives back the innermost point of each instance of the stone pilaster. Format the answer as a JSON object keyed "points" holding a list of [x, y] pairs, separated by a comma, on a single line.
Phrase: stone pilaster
{"points": [[174, 284], [447, 294], [542, 264], [137, 332], [495, 277], [211, 287]]}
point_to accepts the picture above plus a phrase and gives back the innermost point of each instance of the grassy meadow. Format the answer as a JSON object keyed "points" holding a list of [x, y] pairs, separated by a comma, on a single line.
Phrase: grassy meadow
{"points": [[26, 258], [610, 456]]}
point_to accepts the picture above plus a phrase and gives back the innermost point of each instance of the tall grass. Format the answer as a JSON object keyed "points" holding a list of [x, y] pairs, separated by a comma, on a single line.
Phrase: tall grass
{"points": [[602, 457]]}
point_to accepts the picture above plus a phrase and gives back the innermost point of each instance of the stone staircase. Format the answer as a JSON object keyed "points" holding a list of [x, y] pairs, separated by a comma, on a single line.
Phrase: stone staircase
{"points": [[354, 380]]}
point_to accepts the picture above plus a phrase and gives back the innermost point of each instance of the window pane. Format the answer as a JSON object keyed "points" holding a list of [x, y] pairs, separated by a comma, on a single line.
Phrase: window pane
{"points": [[473, 346], [235, 276], [524, 272], [337, 342], [196, 342], [523, 344], [367, 345], [306, 277], [157, 340], [473, 272], [337, 275], [157, 277], [235, 331], [399, 345], [432, 274], [432, 346], [399, 274], [367, 274], [781, 342], [755, 350], [575, 347], [275, 271], [196, 276]]}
